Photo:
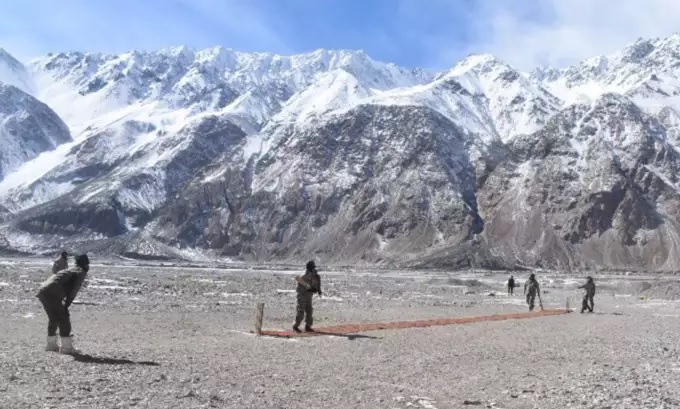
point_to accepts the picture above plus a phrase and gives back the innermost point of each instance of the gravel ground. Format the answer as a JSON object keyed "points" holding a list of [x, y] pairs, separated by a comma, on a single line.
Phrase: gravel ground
{"points": [[162, 337]]}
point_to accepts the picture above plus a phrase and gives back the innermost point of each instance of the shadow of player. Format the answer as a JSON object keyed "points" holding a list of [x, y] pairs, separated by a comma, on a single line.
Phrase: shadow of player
{"points": [[350, 337], [89, 359]]}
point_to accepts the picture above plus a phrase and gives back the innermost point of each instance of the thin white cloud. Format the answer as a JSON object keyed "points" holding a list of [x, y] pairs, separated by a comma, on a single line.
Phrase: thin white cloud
{"points": [[570, 30]]}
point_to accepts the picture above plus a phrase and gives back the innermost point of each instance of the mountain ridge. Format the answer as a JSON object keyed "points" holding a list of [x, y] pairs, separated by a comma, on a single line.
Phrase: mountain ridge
{"points": [[194, 153]]}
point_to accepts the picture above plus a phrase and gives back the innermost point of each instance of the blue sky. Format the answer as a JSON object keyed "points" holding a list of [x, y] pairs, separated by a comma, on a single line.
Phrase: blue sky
{"points": [[413, 33]]}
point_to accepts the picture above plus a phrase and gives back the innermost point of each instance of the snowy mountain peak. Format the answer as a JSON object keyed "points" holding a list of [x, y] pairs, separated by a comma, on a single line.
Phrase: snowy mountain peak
{"points": [[646, 70], [7, 57], [477, 62], [14, 73], [637, 51], [179, 51], [334, 90], [249, 87]]}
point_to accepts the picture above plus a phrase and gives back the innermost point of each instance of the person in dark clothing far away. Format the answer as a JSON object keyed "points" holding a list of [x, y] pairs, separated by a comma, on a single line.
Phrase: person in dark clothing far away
{"points": [[61, 263], [511, 285], [588, 297], [308, 285], [56, 295]]}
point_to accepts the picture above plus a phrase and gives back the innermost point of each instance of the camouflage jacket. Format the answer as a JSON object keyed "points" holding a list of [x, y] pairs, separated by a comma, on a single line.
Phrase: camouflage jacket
{"points": [[590, 288], [59, 264], [64, 284], [312, 281], [532, 287]]}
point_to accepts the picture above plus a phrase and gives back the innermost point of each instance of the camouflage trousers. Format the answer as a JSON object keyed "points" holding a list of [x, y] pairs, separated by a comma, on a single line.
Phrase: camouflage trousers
{"points": [[531, 299], [57, 315], [304, 310], [588, 303]]}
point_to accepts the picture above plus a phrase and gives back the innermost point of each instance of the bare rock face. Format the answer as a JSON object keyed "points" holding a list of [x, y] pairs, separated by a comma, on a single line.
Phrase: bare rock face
{"points": [[596, 187], [356, 187]]}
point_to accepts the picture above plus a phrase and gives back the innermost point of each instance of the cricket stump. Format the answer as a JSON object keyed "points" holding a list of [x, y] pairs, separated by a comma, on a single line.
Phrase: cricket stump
{"points": [[259, 314]]}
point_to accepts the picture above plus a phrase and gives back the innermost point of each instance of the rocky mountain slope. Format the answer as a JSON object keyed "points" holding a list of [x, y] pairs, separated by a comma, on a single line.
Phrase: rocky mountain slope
{"points": [[28, 128], [217, 153]]}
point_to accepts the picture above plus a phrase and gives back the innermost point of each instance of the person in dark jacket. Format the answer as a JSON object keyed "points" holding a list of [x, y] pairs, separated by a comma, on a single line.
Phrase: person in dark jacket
{"points": [[56, 295], [511, 285], [308, 285], [589, 296], [61, 263]]}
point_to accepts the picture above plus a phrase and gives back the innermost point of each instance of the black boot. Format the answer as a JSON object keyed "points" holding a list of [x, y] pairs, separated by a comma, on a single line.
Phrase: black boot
{"points": [[296, 328], [309, 329]]}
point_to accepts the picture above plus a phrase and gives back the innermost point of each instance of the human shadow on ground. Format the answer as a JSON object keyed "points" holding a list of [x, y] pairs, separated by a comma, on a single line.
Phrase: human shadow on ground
{"points": [[317, 333], [350, 337], [89, 359]]}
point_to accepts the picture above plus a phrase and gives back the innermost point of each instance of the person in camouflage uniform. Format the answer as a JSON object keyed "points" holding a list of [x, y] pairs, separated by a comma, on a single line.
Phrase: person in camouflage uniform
{"points": [[56, 295], [308, 285], [588, 298], [61, 263], [531, 289]]}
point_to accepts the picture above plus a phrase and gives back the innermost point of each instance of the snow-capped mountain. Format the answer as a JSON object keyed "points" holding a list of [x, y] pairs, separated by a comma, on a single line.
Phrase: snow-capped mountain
{"points": [[485, 95], [13, 72], [646, 70], [252, 86], [331, 154], [28, 127], [597, 186]]}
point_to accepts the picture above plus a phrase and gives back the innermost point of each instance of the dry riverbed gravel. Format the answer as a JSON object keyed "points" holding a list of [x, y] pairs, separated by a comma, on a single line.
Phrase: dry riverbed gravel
{"points": [[179, 337]]}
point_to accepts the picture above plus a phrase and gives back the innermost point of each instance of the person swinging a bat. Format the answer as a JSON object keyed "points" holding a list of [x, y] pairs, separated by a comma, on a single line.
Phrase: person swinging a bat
{"points": [[308, 285], [531, 289]]}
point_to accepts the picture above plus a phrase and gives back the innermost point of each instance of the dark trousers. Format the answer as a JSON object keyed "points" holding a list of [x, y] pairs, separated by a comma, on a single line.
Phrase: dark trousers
{"points": [[531, 298], [304, 310], [588, 303], [57, 315], [511, 290]]}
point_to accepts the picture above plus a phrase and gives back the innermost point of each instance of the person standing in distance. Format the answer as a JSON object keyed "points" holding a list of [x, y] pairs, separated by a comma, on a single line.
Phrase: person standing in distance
{"points": [[56, 295], [531, 289], [61, 263], [588, 297], [511, 285], [308, 285]]}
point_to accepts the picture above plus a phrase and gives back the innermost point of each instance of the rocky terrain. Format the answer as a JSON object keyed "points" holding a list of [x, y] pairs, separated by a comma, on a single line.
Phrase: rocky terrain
{"points": [[218, 154], [176, 336], [28, 128]]}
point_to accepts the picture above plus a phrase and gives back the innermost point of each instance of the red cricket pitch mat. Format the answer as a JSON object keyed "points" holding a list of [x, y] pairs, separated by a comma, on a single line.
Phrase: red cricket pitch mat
{"points": [[356, 328]]}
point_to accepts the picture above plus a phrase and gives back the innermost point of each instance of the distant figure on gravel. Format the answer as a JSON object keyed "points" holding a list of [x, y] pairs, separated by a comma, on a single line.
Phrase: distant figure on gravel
{"points": [[588, 302], [511, 285], [531, 289], [61, 263], [308, 285], [56, 295]]}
